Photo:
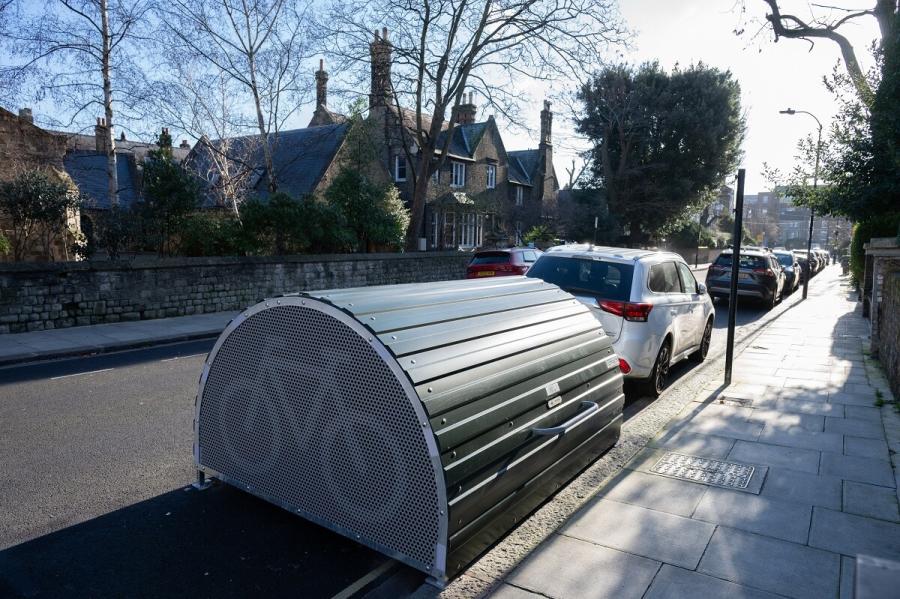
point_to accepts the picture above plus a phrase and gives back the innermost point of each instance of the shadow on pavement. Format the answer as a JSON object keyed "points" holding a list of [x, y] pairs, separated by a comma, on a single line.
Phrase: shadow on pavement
{"points": [[216, 543]]}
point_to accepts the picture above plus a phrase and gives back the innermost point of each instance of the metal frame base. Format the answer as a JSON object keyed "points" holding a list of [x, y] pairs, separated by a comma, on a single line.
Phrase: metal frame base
{"points": [[202, 483]]}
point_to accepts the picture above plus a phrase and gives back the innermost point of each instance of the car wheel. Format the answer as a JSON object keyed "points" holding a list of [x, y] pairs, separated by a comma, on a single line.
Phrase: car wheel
{"points": [[700, 354], [773, 300], [659, 376]]}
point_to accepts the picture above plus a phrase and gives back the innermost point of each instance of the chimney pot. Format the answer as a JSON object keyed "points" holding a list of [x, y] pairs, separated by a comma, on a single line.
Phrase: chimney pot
{"points": [[185, 144], [26, 115], [321, 64], [384, 33]]}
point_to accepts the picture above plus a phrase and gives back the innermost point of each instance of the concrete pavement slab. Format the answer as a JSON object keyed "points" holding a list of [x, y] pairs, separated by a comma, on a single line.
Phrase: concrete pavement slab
{"points": [[655, 535], [876, 578], [507, 591], [866, 448], [770, 517], [855, 427], [565, 568], [862, 470], [778, 419], [848, 571], [792, 458], [802, 487], [802, 406], [772, 565], [850, 534], [708, 446], [678, 583], [659, 493], [852, 399], [722, 427], [862, 413], [870, 500], [803, 438]]}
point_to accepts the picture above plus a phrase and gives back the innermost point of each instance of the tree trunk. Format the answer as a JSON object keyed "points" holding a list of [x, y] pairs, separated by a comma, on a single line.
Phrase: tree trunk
{"points": [[112, 172], [263, 132], [417, 205]]}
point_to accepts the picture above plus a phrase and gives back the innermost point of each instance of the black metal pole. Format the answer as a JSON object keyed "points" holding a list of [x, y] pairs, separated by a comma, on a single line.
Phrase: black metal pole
{"points": [[735, 264], [812, 214]]}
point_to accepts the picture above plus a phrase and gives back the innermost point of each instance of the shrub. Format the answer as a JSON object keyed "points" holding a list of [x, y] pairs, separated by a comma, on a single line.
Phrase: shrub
{"points": [[863, 232], [5, 247], [374, 214]]}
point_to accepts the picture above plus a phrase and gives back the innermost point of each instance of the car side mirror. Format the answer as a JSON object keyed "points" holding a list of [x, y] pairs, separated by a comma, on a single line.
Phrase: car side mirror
{"points": [[701, 288]]}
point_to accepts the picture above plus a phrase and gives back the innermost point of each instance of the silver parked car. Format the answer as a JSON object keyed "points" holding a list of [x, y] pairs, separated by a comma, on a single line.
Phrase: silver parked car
{"points": [[649, 302]]}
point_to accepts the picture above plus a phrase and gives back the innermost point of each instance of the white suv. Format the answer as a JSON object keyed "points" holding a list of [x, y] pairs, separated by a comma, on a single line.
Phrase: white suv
{"points": [[649, 302]]}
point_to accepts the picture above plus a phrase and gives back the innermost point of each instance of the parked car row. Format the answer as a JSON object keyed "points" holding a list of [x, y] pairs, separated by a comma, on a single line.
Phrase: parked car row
{"points": [[649, 302]]}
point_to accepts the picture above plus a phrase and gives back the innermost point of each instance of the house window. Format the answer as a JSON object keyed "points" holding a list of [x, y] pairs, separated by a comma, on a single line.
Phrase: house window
{"points": [[399, 168], [491, 176], [471, 230], [459, 175], [520, 195]]}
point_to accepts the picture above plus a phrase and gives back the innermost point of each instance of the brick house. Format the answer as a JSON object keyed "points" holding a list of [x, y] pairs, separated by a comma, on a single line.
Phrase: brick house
{"points": [[484, 194]]}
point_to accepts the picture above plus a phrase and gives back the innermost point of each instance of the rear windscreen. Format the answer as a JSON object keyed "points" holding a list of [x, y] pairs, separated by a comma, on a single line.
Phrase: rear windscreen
{"points": [[607, 280], [490, 258], [785, 259], [745, 262]]}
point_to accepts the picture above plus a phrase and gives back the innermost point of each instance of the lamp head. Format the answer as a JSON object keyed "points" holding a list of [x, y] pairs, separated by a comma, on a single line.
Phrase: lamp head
{"points": [[788, 111]]}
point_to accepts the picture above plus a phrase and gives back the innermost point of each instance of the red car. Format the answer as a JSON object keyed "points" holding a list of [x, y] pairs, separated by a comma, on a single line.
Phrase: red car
{"points": [[499, 263]]}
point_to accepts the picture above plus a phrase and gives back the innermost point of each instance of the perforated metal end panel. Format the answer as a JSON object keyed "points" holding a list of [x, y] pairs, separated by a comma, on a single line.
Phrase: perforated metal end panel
{"points": [[303, 408]]}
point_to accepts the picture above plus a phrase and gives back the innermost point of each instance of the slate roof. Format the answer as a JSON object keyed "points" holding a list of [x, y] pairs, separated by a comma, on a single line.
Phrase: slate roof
{"points": [[88, 171], [523, 165], [465, 139], [300, 156]]}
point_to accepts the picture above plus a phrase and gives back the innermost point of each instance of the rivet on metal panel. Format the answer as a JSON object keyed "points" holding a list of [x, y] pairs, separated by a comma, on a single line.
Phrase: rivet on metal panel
{"points": [[511, 423], [394, 337], [412, 361], [430, 389], [452, 454], [424, 425], [371, 318], [267, 304], [369, 339], [278, 302], [589, 385], [443, 421], [303, 302]]}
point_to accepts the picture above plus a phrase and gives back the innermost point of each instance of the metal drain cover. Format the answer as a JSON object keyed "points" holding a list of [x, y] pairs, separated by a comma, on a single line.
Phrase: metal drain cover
{"points": [[704, 470]]}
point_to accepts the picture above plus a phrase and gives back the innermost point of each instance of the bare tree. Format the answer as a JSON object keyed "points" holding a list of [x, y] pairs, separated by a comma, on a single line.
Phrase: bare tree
{"points": [[825, 24], [444, 49], [257, 47], [207, 107], [73, 50]]}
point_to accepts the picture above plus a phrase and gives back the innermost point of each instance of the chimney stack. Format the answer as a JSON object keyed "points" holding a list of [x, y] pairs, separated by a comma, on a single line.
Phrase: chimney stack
{"points": [[101, 137], [321, 85], [546, 125], [466, 111], [184, 144], [26, 115], [380, 53]]}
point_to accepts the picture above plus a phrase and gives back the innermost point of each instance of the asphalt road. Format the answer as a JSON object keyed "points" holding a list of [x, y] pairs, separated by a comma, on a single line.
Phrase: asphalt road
{"points": [[95, 472]]}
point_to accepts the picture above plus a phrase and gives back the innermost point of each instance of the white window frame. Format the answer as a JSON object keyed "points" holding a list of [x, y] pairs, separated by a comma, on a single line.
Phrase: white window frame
{"points": [[520, 195], [458, 178], [397, 159], [491, 176]]}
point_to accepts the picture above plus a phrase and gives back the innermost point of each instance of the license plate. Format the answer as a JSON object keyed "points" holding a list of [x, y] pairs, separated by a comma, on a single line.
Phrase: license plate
{"points": [[486, 273], [744, 276]]}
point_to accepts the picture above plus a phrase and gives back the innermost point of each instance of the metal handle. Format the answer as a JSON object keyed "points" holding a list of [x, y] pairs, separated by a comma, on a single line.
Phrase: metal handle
{"points": [[590, 408]]}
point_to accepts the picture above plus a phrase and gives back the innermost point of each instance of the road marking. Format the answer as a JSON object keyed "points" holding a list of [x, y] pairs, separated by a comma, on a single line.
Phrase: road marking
{"points": [[65, 376], [359, 584], [183, 357]]}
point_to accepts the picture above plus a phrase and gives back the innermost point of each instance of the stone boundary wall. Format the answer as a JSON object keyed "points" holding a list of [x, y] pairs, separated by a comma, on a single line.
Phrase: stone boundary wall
{"points": [[37, 296], [888, 342]]}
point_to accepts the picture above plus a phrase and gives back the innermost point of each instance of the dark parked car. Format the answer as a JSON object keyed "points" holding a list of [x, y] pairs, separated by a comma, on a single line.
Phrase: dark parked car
{"points": [[760, 276], [499, 263], [792, 269]]}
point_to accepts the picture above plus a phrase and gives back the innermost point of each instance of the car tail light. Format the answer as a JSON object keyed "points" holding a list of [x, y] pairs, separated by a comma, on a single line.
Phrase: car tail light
{"points": [[520, 268], [627, 310], [766, 272], [624, 366]]}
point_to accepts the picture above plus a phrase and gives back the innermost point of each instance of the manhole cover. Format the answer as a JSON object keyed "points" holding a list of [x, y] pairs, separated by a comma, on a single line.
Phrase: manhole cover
{"points": [[704, 470], [734, 401]]}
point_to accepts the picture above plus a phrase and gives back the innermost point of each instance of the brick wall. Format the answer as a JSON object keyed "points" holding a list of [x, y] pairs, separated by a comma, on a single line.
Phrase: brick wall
{"points": [[888, 342], [37, 296]]}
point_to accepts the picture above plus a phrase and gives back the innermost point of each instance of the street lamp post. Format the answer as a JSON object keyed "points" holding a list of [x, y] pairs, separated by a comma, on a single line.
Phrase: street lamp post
{"points": [[791, 111]]}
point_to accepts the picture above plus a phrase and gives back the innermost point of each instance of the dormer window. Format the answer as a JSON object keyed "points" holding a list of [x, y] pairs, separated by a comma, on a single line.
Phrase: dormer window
{"points": [[491, 176], [459, 174], [520, 195], [399, 168]]}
